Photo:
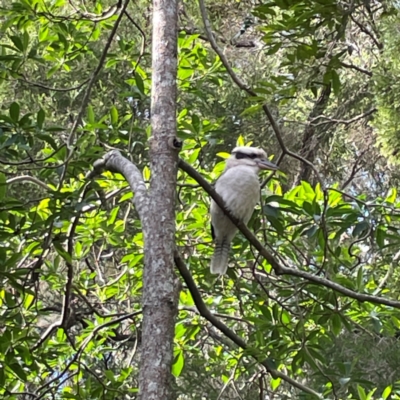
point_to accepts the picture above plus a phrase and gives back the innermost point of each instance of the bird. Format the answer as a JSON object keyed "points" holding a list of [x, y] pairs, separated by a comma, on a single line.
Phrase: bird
{"points": [[239, 188]]}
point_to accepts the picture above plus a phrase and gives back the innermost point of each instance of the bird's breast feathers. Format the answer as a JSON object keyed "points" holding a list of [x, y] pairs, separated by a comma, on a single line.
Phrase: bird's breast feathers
{"points": [[240, 189]]}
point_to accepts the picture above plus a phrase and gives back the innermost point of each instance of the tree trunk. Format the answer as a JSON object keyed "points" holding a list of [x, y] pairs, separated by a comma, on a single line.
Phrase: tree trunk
{"points": [[311, 142], [159, 294]]}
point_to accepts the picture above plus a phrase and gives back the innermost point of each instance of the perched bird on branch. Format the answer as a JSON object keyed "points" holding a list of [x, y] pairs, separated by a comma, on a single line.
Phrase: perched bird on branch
{"points": [[239, 187]]}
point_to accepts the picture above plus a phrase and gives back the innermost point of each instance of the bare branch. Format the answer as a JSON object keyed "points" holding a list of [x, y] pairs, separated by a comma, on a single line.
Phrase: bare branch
{"points": [[367, 32], [354, 170], [342, 121], [143, 46], [95, 17], [53, 89], [359, 69], [241, 43], [27, 178], [31, 160], [46, 334], [115, 162]]}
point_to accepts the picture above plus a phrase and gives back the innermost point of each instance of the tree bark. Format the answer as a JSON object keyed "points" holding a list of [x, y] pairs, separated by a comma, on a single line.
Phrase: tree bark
{"points": [[311, 142], [159, 295], [160, 288]]}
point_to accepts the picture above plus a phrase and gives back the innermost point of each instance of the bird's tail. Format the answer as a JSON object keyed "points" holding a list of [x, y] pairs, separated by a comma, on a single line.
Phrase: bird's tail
{"points": [[219, 262]]}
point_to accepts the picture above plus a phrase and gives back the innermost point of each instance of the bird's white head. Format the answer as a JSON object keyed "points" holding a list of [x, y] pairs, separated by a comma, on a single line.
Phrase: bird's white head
{"points": [[251, 157]]}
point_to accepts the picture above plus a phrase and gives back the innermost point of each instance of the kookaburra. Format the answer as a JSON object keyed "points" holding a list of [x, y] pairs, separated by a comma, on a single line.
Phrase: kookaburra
{"points": [[239, 187]]}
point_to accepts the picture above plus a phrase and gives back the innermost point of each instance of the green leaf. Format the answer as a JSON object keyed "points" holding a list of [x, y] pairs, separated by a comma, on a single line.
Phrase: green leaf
{"points": [[41, 115], [308, 208], [386, 393], [26, 121], [43, 33], [193, 157], [291, 205], [266, 312], [17, 42], [380, 237], [28, 301], [327, 78], [3, 185], [360, 229], [270, 211], [18, 371], [139, 83], [63, 253], [310, 232], [113, 216], [240, 141], [335, 82], [275, 383], [25, 40], [126, 196], [110, 375], [90, 115], [196, 123], [66, 395], [274, 49], [146, 173], [14, 112], [307, 187], [223, 155], [2, 376], [178, 363], [276, 224], [252, 110], [114, 116], [361, 393], [285, 317], [48, 139], [360, 279], [371, 393], [392, 195]]}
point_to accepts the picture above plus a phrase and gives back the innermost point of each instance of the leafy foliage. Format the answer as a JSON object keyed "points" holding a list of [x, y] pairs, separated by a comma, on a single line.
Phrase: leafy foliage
{"points": [[71, 249]]}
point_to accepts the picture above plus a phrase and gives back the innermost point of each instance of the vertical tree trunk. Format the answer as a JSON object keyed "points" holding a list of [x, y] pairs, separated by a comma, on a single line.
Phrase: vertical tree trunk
{"points": [[159, 294], [311, 142]]}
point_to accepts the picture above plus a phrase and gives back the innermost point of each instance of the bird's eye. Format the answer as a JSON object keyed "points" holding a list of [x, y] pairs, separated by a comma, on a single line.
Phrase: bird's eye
{"points": [[241, 155]]}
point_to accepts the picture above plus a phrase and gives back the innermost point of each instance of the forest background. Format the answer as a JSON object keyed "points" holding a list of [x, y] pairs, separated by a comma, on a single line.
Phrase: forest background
{"points": [[315, 83]]}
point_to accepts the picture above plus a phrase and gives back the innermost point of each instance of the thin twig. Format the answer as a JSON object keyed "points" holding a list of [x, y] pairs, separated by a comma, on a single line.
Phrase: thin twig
{"points": [[341, 121], [27, 178], [359, 69], [367, 32], [143, 46], [96, 17], [354, 170], [53, 89]]}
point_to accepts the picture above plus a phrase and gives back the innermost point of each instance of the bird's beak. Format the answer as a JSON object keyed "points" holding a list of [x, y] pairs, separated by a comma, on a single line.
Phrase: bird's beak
{"points": [[266, 164]]}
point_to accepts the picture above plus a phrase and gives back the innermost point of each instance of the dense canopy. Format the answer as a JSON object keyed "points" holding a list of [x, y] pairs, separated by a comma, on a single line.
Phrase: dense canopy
{"points": [[312, 313]]}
